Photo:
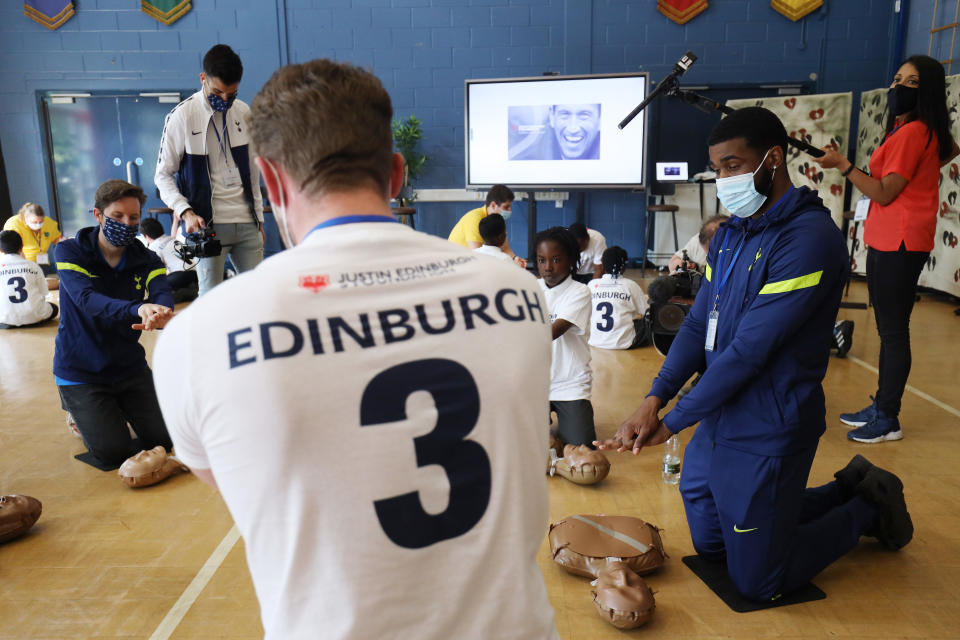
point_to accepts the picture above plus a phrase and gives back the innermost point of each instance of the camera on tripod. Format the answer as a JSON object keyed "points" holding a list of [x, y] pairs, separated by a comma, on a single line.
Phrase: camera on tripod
{"points": [[199, 244]]}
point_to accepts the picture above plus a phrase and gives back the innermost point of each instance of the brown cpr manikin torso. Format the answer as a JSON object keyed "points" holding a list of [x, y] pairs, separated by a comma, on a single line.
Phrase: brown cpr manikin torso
{"points": [[17, 515]]}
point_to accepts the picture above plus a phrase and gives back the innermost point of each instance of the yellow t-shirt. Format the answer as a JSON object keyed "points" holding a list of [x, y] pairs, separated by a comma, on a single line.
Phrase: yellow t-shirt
{"points": [[468, 228], [34, 242]]}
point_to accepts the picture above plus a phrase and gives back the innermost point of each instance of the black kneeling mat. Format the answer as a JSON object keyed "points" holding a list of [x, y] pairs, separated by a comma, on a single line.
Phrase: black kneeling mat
{"points": [[714, 575], [93, 461]]}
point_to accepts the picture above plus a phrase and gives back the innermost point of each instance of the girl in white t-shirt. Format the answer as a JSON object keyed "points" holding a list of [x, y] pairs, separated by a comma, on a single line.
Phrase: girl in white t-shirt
{"points": [[568, 302], [616, 302]]}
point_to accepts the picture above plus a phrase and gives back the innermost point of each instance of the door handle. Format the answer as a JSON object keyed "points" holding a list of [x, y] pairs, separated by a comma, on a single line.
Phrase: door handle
{"points": [[133, 174]]}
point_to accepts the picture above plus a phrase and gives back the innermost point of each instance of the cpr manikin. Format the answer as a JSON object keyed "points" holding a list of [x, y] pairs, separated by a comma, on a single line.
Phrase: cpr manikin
{"points": [[148, 467], [583, 544], [621, 597], [581, 465], [17, 515]]}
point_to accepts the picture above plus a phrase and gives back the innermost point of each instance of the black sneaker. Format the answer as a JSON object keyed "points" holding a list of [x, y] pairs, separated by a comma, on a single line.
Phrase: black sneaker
{"points": [[885, 491], [851, 475], [843, 337]]}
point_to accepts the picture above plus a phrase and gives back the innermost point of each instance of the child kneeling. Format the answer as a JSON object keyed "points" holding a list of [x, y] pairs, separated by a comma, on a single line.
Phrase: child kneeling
{"points": [[568, 302]]}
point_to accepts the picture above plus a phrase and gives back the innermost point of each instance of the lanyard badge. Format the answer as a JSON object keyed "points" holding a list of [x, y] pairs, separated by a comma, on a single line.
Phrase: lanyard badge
{"points": [[713, 319]]}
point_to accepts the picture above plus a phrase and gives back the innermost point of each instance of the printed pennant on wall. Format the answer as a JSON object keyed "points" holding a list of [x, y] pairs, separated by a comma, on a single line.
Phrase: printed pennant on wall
{"points": [[166, 11], [681, 11], [50, 13], [796, 9]]}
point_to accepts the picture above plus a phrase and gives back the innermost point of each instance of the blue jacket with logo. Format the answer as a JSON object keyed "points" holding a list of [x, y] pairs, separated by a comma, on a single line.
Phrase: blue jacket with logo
{"points": [[98, 303], [762, 389]]}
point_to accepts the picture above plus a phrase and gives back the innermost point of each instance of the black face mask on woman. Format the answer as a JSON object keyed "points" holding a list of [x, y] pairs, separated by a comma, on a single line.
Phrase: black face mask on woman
{"points": [[901, 99]]}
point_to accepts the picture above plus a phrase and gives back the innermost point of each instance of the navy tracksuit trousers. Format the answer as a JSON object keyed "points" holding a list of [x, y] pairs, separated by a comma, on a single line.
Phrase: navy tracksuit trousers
{"points": [[756, 510]]}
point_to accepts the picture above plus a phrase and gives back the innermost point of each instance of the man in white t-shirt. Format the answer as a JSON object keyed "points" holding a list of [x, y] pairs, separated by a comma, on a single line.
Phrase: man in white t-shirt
{"points": [[23, 288], [378, 464], [697, 246], [592, 245]]}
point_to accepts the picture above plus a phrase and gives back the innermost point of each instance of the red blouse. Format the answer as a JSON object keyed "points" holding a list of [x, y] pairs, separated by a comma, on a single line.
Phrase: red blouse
{"points": [[911, 218]]}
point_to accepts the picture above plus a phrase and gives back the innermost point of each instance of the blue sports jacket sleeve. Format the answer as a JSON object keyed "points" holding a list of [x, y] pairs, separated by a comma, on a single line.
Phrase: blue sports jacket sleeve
{"points": [[803, 272]]}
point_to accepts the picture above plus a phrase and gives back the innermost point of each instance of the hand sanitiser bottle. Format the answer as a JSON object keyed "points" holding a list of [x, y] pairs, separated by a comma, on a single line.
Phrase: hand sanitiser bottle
{"points": [[672, 454]]}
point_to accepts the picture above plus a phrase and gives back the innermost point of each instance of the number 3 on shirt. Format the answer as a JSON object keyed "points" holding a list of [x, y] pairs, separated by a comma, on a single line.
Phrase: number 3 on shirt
{"points": [[607, 310], [465, 462], [19, 287]]}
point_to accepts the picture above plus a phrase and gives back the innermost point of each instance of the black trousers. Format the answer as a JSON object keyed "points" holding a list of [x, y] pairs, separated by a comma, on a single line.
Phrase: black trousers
{"points": [[574, 421], [892, 283], [102, 412]]}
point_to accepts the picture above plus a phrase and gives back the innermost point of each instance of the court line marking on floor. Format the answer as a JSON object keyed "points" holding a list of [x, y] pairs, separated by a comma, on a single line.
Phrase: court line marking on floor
{"points": [[176, 614], [926, 396]]}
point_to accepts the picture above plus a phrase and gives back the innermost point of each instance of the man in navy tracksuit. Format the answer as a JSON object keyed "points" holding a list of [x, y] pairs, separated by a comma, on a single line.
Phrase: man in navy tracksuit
{"points": [[762, 326], [111, 287]]}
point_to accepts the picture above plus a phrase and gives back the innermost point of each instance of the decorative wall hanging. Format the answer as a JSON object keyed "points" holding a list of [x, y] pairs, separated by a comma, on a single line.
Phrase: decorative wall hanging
{"points": [[796, 9], [50, 13], [165, 11], [681, 11]]}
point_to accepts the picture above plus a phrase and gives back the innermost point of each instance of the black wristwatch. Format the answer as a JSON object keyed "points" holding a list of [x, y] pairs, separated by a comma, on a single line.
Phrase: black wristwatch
{"points": [[849, 169]]}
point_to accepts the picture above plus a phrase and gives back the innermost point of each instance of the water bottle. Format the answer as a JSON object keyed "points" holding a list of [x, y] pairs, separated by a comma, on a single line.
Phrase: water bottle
{"points": [[672, 454]]}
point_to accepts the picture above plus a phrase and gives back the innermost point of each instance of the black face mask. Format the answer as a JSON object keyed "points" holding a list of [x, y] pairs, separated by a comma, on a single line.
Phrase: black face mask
{"points": [[901, 99]]}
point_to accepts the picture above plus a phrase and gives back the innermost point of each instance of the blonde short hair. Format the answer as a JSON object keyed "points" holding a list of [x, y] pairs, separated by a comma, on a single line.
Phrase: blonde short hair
{"points": [[30, 208]]}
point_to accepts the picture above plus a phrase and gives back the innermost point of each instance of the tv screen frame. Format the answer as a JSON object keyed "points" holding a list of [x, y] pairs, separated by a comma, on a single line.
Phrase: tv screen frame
{"points": [[607, 115]]}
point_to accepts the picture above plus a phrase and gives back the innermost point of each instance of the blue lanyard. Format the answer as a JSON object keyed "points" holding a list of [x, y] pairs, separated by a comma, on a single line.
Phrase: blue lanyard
{"points": [[333, 222], [226, 138], [723, 279]]}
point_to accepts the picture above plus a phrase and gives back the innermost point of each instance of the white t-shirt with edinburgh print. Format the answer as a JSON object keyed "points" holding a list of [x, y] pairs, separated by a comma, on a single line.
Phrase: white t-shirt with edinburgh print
{"points": [[370, 451]]}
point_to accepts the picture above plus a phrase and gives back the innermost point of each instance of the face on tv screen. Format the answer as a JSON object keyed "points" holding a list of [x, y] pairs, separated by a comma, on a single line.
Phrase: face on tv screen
{"points": [[555, 132]]}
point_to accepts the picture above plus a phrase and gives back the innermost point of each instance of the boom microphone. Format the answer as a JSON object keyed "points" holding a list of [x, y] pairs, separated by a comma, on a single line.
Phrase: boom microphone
{"points": [[667, 83]]}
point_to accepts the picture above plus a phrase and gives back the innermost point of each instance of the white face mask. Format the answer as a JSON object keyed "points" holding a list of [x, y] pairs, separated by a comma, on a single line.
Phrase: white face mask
{"points": [[280, 210], [36, 226]]}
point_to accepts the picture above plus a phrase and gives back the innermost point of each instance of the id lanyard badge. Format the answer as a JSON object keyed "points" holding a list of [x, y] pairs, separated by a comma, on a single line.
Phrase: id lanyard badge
{"points": [[714, 318], [230, 174]]}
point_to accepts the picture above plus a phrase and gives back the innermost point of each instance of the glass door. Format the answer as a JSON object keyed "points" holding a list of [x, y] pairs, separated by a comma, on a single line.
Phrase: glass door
{"points": [[95, 137]]}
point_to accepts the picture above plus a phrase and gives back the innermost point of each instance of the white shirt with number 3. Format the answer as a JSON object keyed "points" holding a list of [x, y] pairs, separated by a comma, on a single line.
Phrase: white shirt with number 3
{"points": [[379, 465]]}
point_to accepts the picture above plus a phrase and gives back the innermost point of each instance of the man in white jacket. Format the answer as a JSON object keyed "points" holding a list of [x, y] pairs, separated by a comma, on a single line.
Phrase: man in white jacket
{"points": [[205, 173]]}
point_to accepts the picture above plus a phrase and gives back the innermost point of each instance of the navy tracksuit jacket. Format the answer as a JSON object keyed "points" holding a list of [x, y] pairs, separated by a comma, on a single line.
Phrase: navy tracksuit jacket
{"points": [[98, 303]]}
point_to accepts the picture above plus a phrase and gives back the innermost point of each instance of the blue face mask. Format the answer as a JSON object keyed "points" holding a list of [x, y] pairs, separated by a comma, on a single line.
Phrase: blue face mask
{"points": [[218, 103], [739, 195], [117, 233]]}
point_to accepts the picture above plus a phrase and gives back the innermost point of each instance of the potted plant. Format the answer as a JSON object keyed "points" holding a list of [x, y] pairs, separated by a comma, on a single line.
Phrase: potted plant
{"points": [[406, 136]]}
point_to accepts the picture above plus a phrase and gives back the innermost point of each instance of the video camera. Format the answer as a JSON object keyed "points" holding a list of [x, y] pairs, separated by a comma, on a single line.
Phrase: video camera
{"points": [[671, 297], [199, 244]]}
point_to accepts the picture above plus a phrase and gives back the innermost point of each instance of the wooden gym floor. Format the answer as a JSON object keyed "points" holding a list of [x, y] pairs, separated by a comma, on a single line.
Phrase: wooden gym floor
{"points": [[105, 561]]}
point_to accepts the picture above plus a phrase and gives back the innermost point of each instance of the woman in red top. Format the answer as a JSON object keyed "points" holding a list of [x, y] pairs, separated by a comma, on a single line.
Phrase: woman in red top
{"points": [[903, 187]]}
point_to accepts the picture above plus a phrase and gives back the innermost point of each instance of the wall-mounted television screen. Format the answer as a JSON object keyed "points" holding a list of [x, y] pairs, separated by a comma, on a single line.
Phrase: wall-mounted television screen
{"points": [[556, 132]]}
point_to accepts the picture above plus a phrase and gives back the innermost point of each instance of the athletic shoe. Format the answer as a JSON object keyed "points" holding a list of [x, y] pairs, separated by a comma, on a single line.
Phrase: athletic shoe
{"points": [[851, 475], [861, 417], [884, 490], [877, 430], [843, 337]]}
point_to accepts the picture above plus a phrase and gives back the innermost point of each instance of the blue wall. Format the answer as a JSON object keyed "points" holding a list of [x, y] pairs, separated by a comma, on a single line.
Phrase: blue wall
{"points": [[423, 50]]}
